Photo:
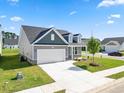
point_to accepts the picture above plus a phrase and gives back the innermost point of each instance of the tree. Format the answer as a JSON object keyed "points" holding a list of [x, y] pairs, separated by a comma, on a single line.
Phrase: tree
{"points": [[93, 46]]}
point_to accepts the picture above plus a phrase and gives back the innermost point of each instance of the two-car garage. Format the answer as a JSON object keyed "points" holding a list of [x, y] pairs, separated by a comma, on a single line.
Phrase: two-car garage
{"points": [[50, 55]]}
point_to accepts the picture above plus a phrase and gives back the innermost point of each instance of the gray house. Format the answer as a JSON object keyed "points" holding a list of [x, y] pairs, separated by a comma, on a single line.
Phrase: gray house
{"points": [[113, 44], [10, 43], [45, 45]]}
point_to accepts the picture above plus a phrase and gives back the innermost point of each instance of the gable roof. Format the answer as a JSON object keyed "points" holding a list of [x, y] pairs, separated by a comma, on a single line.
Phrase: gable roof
{"points": [[33, 33], [111, 43], [120, 40]]}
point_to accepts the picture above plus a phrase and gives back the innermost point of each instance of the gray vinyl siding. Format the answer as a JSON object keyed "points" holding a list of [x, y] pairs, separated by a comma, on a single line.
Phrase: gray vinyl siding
{"points": [[25, 46], [66, 38], [47, 40], [47, 47]]}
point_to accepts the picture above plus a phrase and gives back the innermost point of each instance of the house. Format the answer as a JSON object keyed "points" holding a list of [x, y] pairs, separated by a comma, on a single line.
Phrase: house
{"points": [[113, 44], [10, 40], [84, 43], [45, 45], [10, 43]]}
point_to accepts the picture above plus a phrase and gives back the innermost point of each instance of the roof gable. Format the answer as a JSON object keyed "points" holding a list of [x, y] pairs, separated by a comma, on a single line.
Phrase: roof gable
{"points": [[47, 39], [34, 33], [49, 31], [120, 40], [112, 43]]}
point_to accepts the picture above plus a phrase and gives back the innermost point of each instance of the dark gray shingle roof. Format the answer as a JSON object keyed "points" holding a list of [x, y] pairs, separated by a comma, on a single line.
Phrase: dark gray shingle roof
{"points": [[33, 33], [120, 40], [10, 41]]}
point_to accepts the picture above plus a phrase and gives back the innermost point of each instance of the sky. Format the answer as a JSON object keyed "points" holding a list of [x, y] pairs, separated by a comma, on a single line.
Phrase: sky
{"points": [[100, 18]]}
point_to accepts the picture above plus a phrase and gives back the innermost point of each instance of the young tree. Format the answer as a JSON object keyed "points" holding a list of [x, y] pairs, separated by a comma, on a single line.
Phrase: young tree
{"points": [[93, 46]]}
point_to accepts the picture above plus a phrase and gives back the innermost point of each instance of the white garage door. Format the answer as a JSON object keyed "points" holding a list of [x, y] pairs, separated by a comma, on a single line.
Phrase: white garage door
{"points": [[50, 55]]}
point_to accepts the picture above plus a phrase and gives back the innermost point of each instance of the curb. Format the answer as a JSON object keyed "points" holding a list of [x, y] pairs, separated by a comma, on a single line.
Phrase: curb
{"points": [[106, 86]]}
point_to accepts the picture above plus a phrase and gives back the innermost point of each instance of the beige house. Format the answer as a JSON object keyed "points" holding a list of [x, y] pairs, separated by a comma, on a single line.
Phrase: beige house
{"points": [[113, 44]]}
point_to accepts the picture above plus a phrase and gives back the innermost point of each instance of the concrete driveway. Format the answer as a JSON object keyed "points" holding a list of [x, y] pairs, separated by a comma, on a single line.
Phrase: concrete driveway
{"points": [[73, 78]]}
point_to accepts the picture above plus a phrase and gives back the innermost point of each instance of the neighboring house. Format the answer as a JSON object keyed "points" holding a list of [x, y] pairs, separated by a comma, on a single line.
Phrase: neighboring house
{"points": [[10, 40], [10, 43], [45, 45], [84, 42], [113, 44]]}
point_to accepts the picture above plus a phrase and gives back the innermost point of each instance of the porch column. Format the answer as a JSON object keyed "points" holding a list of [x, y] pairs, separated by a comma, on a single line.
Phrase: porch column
{"points": [[86, 52], [72, 53]]}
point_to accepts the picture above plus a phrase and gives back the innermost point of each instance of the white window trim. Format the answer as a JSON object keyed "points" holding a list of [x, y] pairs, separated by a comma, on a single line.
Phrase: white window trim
{"points": [[112, 42]]}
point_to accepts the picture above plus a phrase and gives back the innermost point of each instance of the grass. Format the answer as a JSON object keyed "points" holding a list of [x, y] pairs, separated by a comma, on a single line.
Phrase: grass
{"points": [[117, 75], [61, 91], [122, 53], [10, 65], [105, 63]]}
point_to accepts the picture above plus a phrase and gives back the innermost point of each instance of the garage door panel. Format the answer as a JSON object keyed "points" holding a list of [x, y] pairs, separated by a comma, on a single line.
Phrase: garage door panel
{"points": [[50, 55]]}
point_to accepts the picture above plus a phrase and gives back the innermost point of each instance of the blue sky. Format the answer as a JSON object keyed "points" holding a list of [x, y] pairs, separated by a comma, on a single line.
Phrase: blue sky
{"points": [[103, 18]]}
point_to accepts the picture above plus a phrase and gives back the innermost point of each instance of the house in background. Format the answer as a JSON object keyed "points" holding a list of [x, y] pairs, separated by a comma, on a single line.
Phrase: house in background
{"points": [[84, 42], [10, 40], [45, 45], [10, 43], [113, 44]]}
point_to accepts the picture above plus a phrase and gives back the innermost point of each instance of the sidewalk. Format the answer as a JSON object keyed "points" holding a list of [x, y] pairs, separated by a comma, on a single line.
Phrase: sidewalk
{"points": [[111, 71]]}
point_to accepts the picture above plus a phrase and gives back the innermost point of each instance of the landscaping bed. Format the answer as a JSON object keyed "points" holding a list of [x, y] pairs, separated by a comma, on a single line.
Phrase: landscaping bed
{"points": [[61, 91], [10, 66], [117, 75], [104, 63]]}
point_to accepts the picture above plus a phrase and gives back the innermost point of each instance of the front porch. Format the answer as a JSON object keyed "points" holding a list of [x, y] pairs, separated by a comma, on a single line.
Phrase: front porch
{"points": [[74, 51]]}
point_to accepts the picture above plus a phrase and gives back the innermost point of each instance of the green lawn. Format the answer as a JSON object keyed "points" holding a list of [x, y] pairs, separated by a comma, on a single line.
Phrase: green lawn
{"points": [[10, 65], [104, 63], [117, 75]]}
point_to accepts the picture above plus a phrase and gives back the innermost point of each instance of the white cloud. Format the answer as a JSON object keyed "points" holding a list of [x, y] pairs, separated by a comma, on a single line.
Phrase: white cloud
{"points": [[72, 13], [16, 19], [110, 22], [5, 28], [2, 16], [12, 28], [107, 3], [115, 15], [13, 1]]}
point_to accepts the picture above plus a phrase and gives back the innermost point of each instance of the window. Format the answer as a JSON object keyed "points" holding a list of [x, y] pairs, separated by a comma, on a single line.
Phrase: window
{"points": [[52, 37]]}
